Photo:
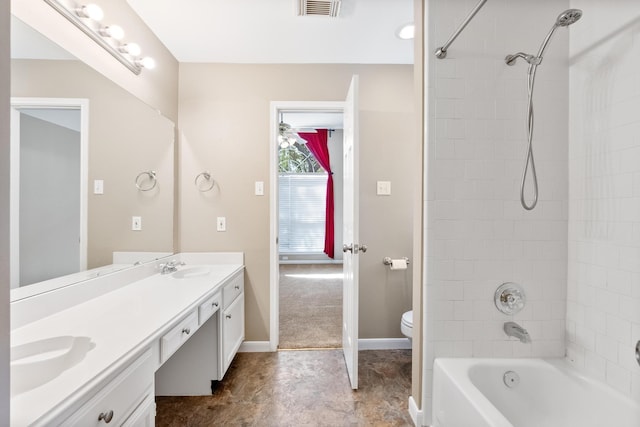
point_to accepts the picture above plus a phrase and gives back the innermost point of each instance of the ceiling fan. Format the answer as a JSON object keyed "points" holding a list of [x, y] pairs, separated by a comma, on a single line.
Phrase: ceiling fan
{"points": [[288, 135]]}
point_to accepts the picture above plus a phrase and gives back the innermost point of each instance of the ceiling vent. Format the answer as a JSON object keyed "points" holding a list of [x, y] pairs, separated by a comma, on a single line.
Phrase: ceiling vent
{"points": [[319, 8]]}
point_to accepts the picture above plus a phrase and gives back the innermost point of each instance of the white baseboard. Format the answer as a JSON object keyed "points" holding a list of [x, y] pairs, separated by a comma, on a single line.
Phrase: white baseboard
{"points": [[384, 344], [414, 412], [254, 347]]}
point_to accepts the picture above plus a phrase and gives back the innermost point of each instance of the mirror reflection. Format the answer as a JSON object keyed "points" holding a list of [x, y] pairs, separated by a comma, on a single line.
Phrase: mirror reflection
{"points": [[80, 147]]}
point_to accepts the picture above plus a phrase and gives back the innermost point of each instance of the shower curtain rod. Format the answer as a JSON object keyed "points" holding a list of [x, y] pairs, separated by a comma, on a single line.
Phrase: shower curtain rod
{"points": [[442, 51]]}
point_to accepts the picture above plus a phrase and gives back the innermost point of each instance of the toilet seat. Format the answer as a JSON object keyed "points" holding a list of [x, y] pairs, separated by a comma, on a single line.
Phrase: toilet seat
{"points": [[406, 325]]}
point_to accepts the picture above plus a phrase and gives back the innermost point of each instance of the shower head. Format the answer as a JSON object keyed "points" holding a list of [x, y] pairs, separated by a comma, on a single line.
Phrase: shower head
{"points": [[568, 17], [565, 19]]}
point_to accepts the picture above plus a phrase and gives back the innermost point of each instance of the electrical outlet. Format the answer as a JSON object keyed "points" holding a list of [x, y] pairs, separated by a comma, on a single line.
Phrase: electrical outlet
{"points": [[136, 223], [221, 223], [383, 188]]}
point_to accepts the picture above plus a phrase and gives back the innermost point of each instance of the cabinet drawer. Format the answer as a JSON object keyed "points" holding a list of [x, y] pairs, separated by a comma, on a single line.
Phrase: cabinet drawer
{"points": [[172, 340], [119, 398], [208, 308], [232, 289]]}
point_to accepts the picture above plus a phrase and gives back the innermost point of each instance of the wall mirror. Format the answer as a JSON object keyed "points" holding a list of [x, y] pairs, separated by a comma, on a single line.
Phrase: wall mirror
{"points": [[88, 162]]}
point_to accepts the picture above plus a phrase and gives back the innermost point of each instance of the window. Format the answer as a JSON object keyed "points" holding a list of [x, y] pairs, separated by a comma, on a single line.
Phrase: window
{"points": [[303, 190], [302, 212]]}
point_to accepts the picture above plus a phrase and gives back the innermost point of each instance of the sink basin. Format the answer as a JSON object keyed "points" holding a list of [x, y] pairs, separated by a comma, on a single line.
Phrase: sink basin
{"points": [[38, 362], [188, 273]]}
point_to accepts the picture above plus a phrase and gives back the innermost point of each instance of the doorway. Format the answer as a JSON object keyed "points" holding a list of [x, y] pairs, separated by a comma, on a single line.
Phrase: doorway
{"points": [[350, 223], [310, 276], [48, 196]]}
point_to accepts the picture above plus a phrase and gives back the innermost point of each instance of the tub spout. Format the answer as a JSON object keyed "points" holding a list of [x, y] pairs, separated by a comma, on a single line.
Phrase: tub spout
{"points": [[512, 329]]}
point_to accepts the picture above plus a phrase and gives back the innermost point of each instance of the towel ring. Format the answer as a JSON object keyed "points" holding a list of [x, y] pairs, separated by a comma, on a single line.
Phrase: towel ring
{"points": [[151, 177], [207, 177]]}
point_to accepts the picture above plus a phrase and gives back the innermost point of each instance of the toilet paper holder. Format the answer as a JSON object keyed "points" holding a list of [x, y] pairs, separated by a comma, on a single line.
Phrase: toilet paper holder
{"points": [[387, 260]]}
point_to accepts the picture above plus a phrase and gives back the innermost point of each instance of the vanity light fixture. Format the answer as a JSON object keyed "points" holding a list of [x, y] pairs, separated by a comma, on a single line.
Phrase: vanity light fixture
{"points": [[91, 11], [146, 62], [114, 31], [87, 19], [132, 49]]}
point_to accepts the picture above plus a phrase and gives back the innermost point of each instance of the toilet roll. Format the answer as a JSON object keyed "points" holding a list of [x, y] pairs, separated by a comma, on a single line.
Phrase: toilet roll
{"points": [[398, 264]]}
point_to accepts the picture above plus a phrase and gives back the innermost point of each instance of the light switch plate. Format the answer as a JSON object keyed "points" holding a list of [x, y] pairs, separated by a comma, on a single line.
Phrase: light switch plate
{"points": [[98, 186], [221, 223], [136, 223], [259, 188], [383, 188]]}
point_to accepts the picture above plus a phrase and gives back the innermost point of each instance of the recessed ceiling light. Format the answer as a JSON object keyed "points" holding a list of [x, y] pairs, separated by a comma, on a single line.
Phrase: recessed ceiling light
{"points": [[406, 32]]}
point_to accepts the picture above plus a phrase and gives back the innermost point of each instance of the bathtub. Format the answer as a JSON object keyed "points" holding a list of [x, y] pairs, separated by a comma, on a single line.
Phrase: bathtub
{"points": [[540, 393]]}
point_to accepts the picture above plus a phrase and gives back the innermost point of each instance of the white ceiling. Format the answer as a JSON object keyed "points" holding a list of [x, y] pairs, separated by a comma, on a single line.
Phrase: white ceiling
{"points": [[270, 31]]}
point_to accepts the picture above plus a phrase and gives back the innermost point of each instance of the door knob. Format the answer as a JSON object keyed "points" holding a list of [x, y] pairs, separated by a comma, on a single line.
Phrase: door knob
{"points": [[347, 248], [363, 248]]}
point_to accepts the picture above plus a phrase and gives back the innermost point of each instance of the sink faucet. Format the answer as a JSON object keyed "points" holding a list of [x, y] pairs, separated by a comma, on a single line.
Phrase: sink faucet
{"points": [[170, 266], [512, 329]]}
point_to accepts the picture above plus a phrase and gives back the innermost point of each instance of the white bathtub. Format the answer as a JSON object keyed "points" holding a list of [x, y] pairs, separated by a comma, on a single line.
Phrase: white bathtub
{"points": [[550, 393]]}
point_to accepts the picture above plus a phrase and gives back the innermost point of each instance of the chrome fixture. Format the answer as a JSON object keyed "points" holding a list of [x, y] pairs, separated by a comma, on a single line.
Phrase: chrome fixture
{"points": [[565, 19], [206, 177], [509, 298], [150, 177], [388, 261], [354, 248], [87, 19], [441, 53], [638, 352], [511, 379], [512, 329], [170, 267]]}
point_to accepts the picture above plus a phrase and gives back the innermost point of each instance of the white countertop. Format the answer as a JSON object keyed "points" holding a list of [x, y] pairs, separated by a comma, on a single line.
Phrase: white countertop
{"points": [[121, 324]]}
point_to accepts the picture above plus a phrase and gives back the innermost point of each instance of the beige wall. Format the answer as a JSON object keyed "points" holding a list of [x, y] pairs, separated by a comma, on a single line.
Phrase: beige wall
{"points": [[126, 137], [224, 125], [4, 212], [157, 87]]}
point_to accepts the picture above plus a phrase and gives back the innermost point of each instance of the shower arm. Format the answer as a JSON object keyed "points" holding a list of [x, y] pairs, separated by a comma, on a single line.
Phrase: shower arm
{"points": [[441, 53]]}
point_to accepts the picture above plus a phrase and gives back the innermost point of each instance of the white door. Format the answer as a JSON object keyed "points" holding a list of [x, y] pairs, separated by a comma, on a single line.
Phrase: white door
{"points": [[350, 234]]}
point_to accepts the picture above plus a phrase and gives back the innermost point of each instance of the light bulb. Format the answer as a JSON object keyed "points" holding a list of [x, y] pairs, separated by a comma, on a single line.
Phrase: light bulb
{"points": [[91, 11], [114, 31], [406, 32], [132, 49], [147, 62]]}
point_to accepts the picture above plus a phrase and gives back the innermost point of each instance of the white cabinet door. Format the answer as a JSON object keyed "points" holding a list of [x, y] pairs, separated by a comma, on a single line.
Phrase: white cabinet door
{"points": [[145, 414], [232, 331]]}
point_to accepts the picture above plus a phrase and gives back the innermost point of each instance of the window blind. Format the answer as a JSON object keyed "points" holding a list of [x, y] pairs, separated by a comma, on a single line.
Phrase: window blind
{"points": [[302, 203]]}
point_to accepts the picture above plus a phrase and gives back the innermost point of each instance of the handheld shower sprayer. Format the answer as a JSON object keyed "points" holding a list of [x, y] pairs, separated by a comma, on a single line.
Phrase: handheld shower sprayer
{"points": [[565, 19]]}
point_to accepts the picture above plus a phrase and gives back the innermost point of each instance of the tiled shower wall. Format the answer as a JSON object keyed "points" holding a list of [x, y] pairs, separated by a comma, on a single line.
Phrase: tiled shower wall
{"points": [[603, 315], [478, 235]]}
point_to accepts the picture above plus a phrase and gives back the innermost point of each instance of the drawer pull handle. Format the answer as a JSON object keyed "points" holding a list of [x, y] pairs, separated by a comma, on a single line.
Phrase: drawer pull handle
{"points": [[215, 304], [186, 331], [237, 287], [106, 417], [228, 316]]}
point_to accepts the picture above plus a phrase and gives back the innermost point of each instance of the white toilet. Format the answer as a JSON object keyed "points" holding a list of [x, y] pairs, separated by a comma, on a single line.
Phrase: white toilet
{"points": [[406, 325]]}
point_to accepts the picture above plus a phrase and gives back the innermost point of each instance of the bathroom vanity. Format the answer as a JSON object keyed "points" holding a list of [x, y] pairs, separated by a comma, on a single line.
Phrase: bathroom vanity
{"points": [[94, 358]]}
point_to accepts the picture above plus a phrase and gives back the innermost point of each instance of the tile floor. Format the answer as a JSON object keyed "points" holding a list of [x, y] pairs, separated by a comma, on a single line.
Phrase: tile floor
{"points": [[300, 388]]}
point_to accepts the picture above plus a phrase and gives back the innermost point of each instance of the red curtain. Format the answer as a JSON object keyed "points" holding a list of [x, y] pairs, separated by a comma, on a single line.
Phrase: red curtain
{"points": [[317, 145]]}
